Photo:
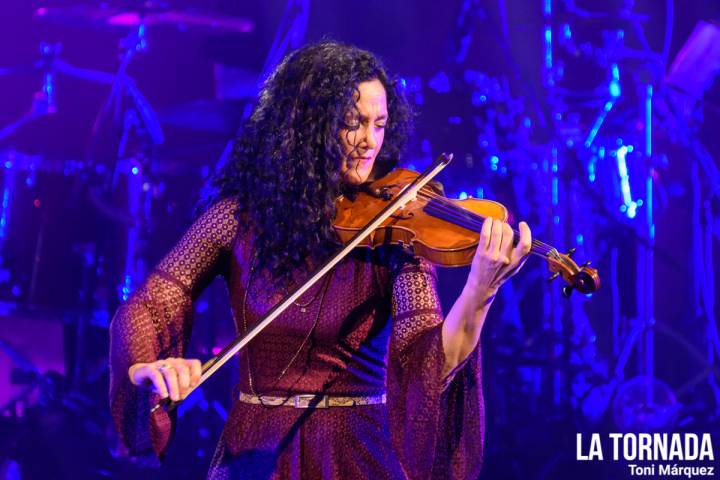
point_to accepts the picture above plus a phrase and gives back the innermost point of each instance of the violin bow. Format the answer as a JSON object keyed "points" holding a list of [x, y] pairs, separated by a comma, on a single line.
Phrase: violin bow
{"points": [[408, 194]]}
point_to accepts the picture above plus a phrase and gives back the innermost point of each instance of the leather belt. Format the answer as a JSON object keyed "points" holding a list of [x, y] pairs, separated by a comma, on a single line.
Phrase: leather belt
{"points": [[312, 400]]}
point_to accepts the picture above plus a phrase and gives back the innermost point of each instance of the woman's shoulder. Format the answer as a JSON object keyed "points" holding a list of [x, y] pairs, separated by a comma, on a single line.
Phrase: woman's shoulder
{"points": [[222, 220], [222, 207]]}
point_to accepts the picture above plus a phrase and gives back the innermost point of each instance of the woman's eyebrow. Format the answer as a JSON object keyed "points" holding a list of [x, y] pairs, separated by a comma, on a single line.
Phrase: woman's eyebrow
{"points": [[379, 117]]}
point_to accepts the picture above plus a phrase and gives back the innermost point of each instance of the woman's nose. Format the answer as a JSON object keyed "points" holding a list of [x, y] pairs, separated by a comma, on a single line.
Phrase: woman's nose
{"points": [[370, 140]]}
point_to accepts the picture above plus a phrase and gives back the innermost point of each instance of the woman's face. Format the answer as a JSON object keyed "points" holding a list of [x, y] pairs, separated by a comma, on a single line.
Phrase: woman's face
{"points": [[361, 142]]}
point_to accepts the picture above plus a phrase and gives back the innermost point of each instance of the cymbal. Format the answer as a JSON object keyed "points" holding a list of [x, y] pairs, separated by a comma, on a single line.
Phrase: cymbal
{"points": [[111, 17]]}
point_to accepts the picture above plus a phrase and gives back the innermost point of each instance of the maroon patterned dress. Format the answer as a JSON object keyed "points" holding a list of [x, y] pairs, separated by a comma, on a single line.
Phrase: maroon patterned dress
{"points": [[371, 326]]}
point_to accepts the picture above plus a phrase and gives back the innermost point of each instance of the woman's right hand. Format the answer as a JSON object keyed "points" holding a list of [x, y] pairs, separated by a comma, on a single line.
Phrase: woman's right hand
{"points": [[173, 377]]}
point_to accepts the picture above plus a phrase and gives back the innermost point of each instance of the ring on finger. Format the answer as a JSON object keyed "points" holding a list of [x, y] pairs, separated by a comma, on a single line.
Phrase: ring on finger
{"points": [[164, 366]]}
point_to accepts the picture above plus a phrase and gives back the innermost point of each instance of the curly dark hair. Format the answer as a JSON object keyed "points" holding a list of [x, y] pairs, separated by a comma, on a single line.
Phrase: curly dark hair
{"points": [[285, 166]]}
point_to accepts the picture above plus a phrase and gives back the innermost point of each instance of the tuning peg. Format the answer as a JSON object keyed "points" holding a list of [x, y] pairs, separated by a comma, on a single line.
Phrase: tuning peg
{"points": [[553, 276], [567, 290], [585, 264], [571, 251]]}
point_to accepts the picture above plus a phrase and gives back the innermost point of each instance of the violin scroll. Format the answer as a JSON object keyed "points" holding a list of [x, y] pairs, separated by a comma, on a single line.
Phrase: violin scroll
{"points": [[583, 278]]}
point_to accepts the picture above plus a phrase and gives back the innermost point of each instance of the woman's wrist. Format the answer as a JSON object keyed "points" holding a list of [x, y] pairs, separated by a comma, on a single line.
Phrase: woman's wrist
{"points": [[478, 294]]}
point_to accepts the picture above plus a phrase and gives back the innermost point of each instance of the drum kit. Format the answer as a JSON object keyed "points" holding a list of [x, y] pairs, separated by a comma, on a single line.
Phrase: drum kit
{"points": [[74, 232], [30, 182]]}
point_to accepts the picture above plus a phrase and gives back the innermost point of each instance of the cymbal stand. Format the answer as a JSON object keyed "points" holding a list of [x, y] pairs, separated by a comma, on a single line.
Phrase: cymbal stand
{"points": [[688, 78], [638, 211], [123, 85], [703, 268], [43, 104], [44, 99], [136, 118], [290, 34]]}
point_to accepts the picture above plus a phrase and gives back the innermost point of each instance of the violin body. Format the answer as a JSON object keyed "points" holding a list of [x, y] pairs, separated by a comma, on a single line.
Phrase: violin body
{"points": [[440, 241], [443, 230]]}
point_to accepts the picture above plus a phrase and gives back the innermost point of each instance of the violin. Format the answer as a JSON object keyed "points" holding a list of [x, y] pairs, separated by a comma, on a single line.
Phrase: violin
{"points": [[443, 230]]}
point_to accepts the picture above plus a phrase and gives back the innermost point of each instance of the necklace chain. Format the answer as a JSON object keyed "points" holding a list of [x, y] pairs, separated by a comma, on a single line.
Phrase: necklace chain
{"points": [[321, 293], [303, 306]]}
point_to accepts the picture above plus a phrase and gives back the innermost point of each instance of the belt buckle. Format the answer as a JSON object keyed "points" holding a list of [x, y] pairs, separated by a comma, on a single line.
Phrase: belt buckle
{"points": [[306, 400]]}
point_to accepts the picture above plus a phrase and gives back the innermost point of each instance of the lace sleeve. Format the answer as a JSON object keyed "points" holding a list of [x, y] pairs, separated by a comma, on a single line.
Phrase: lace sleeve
{"points": [[156, 321], [436, 422], [415, 305]]}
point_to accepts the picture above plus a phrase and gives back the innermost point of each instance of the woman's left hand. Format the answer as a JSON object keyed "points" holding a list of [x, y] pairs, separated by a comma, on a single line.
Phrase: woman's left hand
{"points": [[496, 259]]}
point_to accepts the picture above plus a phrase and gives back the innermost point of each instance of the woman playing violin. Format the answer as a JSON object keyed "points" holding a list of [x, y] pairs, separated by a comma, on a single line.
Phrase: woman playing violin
{"points": [[362, 377]]}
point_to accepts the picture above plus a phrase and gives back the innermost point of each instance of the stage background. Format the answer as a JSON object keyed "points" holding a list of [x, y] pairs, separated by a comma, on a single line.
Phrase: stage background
{"points": [[545, 105]]}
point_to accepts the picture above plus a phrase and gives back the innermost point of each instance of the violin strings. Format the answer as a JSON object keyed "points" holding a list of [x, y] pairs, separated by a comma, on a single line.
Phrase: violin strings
{"points": [[464, 217], [445, 213], [471, 215], [472, 220], [536, 250]]}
